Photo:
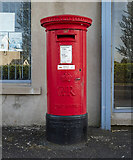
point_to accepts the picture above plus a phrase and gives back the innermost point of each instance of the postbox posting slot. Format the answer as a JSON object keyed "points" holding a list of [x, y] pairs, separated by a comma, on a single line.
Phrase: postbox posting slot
{"points": [[65, 37]]}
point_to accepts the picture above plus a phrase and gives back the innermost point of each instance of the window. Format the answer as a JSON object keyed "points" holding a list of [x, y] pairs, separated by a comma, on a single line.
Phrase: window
{"points": [[122, 51], [117, 54], [15, 41]]}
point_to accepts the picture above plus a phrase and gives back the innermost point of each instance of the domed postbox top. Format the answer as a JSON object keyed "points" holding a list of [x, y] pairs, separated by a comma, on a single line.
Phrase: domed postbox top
{"points": [[66, 22]]}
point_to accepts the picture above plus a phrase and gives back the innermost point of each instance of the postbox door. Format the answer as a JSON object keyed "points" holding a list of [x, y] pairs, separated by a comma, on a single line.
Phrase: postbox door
{"points": [[68, 60]]}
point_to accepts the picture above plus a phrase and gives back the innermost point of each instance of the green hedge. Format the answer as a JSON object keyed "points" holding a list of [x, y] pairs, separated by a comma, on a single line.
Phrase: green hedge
{"points": [[18, 68], [123, 72]]}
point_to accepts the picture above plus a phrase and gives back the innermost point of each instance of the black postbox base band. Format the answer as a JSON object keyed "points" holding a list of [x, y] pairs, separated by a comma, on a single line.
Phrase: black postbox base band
{"points": [[66, 129]]}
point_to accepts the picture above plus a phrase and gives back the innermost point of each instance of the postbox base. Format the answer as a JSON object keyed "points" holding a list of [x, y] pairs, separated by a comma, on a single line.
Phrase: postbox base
{"points": [[66, 129]]}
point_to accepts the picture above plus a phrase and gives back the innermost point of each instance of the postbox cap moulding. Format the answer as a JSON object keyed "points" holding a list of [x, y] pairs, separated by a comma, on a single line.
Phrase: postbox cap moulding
{"points": [[66, 21]]}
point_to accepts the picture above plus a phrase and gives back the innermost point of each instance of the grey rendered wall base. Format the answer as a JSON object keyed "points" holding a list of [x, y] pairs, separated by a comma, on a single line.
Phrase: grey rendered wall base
{"points": [[22, 106], [31, 109], [122, 119], [22, 110]]}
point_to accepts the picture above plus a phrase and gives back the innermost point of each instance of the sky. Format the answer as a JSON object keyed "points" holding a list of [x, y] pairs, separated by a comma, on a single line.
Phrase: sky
{"points": [[117, 11]]}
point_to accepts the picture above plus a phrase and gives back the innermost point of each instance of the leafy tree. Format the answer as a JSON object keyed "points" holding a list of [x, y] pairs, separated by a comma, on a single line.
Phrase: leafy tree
{"points": [[127, 33], [24, 21], [125, 60]]}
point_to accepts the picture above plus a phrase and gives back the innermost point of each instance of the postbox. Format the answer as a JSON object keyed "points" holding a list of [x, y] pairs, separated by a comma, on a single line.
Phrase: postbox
{"points": [[66, 117]]}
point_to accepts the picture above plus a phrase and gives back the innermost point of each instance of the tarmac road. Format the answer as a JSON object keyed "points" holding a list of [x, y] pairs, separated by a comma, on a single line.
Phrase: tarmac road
{"points": [[30, 142]]}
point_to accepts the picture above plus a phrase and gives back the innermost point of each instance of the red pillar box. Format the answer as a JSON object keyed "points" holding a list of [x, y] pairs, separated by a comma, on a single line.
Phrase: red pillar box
{"points": [[66, 118]]}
